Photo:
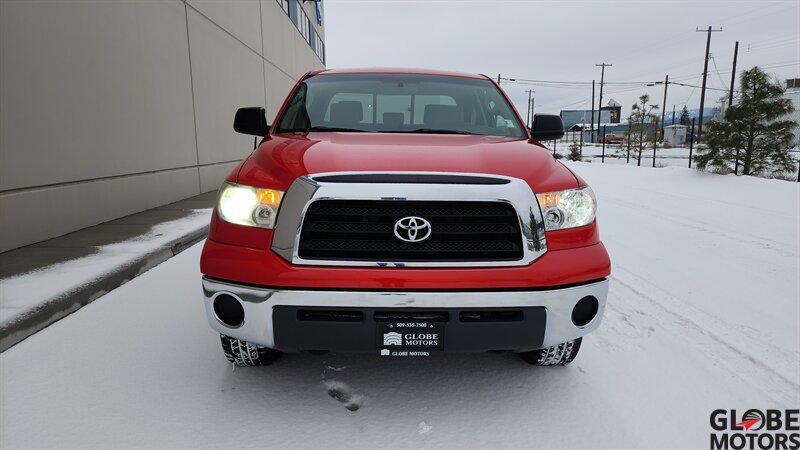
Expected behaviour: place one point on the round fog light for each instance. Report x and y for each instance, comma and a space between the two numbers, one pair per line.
585, 310
228, 310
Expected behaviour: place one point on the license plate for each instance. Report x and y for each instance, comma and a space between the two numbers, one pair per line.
409, 338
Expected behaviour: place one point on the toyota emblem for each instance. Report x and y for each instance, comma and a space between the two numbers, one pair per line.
412, 229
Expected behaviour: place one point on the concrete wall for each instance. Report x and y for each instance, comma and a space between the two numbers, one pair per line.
110, 108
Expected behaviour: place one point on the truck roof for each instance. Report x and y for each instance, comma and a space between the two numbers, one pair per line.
400, 71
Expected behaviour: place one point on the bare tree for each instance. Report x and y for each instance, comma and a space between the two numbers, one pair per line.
640, 123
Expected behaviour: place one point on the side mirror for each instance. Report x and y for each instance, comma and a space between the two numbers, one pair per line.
547, 127
251, 120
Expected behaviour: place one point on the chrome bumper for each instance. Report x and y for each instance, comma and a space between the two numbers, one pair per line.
259, 302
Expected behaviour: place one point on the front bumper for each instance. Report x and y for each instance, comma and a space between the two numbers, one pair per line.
270, 318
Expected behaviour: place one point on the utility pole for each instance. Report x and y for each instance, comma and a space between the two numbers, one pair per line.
705, 76
600, 102
603, 157
498, 79
691, 143
673, 115
655, 141
664, 106
730, 102
733, 73
528, 123
591, 127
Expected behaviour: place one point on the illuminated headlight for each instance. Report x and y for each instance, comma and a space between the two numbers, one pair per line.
567, 209
249, 206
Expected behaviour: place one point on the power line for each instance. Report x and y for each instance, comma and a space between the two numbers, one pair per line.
525, 80
691, 93
714, 61
775, 65
777, 43
775, 38
547, 83
629, 86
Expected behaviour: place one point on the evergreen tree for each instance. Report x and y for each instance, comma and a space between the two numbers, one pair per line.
752, 133
685, 119
574, 152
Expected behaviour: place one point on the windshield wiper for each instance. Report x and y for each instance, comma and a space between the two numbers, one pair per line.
432, 131
321, 128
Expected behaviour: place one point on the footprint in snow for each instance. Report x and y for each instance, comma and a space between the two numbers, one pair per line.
344, 394
424, 428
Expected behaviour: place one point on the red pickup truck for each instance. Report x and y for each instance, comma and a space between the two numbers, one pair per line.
402, 213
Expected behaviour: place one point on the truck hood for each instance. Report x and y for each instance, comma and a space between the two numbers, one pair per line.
279, 160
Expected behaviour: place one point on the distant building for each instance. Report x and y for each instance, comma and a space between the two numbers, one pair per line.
611, 113
611, 129
675, 134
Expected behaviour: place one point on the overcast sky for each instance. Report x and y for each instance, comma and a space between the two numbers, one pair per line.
563, 40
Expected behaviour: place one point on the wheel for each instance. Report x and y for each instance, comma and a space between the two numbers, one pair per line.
557, 355
245, 354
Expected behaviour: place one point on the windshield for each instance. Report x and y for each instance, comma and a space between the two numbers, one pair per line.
399, 103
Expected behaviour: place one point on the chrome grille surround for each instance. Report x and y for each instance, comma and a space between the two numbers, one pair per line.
306, 190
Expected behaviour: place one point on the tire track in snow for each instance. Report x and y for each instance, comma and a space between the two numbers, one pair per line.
705, 227
744, 366
726, 331
716, 200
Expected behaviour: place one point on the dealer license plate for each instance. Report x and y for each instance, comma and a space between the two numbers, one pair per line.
410, 338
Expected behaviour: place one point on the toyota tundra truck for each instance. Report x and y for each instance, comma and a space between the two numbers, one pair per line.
402, 213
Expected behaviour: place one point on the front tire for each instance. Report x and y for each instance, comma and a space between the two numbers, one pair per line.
245, 354
557, 355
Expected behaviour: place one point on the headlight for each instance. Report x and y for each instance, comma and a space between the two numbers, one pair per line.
567, 209
249, 206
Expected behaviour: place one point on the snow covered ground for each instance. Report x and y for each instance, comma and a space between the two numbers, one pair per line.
665, 157
702, 314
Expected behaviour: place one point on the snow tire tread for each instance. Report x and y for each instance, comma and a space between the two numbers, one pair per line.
245, 354
557, 355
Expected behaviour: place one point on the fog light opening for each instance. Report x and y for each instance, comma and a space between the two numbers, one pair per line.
228, 310
584, 311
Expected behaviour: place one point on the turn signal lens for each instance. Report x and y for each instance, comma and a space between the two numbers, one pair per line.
249, 206
567, 209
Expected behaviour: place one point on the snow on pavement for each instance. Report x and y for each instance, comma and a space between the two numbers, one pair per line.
702, 314
21, 294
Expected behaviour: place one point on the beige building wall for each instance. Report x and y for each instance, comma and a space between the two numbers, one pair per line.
111, 108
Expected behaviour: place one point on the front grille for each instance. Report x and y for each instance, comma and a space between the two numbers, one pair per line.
363, 230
